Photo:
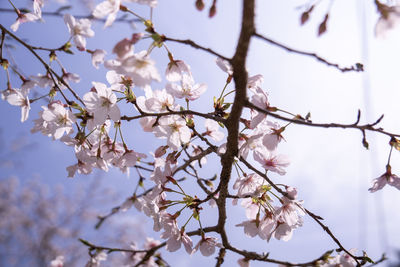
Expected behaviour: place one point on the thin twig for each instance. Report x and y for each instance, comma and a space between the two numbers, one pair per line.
356, 67
195, 45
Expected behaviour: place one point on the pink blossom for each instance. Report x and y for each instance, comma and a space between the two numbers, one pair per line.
255, 81
187, 89
43, 81
250, 228
290, 212
283, 232
98, 57
259, 99
248, 184
251, 208
138, 66
272, 139
267, 226
174, 129
156, 101
22, 18
247, 143
207, 246
176, 70
123, 48
271, 161
197, 150
212, 128
386, 178
243, 262
388, 20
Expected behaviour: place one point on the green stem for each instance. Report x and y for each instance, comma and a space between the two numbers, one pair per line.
390, 155
223, 90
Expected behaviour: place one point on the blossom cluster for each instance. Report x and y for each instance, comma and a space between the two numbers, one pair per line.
93, 127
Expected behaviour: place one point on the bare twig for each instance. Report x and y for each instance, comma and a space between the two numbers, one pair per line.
195, 45
365, 127
356, 67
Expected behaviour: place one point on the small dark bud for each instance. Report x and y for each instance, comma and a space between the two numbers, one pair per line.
322, 26
199, 5
212, 12
304, 17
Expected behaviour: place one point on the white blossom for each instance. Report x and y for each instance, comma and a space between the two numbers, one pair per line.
79, 29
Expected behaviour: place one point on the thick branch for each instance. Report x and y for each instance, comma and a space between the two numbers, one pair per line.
232, 124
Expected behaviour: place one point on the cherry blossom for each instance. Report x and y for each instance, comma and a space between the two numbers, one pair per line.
150, 3
197, 150
272, 162
79, 29
137, 66
18, 97
243, 262
22, 18
57, 262
207, 246
250, 228
43, 81
390, 17
259, 99
98, 57
249, 142
187, 89
59, 120
224, 65
174, 129
272, 139
96, 259
102, 103
107, 8
177, 70
156, 101
37, 7
386, 178
270, 212
248, 184
123, 48
212, 128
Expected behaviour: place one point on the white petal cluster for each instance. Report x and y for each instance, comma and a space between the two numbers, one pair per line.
79, 29
101, 102
18, 97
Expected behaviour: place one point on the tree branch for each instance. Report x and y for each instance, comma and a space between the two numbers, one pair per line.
356, 67
366, 127
195, 45
232, 123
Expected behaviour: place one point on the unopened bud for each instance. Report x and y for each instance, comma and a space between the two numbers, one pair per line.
123, 8
160, 151
199, 5
172, 180
136, 37
212, 11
